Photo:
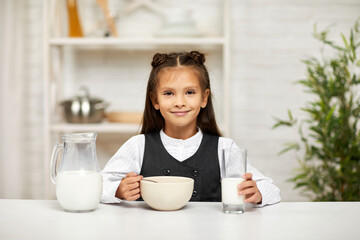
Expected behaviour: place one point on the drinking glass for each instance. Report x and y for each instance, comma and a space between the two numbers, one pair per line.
233, 168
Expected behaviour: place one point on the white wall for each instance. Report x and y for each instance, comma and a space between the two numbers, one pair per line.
11, 94
2, 165
269, 38
34, 99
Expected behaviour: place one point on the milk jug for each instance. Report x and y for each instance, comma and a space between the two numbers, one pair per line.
77, 177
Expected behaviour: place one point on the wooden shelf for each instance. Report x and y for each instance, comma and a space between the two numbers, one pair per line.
135, 41
104, 127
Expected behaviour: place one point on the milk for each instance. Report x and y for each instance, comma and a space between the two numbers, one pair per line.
79, 190
229, 191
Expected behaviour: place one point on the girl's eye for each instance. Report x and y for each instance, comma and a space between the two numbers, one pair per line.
190, 92
167, 93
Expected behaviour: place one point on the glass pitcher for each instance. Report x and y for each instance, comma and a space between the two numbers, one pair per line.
78, 179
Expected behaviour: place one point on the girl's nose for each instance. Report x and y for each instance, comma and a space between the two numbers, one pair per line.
179, 101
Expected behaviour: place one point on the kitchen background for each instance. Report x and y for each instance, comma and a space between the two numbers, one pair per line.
267, 41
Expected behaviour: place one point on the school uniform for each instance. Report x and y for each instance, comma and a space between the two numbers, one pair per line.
197, 157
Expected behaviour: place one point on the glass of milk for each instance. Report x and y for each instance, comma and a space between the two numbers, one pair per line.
78, 179
233, 168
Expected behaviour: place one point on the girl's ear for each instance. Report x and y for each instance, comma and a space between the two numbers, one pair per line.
154, 101
205, 98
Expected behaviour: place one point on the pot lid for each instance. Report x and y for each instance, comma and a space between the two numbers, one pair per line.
83, 95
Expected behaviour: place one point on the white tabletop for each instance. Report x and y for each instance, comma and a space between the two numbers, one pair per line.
42, 219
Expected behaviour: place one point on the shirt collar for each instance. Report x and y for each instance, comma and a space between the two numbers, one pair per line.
194, 140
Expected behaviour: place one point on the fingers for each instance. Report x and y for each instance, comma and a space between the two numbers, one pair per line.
132, 179
129, 188
252, 195
133, 194
255, 198
247, 176
246, 184
132, 186
249, 189
133, 198
131, 174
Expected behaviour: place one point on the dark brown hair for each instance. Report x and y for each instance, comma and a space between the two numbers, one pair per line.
152, 120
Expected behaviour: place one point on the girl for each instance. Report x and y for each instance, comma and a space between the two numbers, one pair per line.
179, 137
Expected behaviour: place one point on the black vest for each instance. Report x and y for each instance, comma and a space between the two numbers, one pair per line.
203, 166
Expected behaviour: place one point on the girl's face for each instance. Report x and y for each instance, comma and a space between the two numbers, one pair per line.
179, 98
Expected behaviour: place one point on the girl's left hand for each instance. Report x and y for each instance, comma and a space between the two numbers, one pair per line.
250, 190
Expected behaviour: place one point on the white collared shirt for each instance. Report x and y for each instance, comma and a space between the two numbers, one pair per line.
129, 158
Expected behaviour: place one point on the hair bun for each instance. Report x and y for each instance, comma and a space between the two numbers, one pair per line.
158, 59
197, 56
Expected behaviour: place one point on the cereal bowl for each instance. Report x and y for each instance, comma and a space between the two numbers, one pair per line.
166, 193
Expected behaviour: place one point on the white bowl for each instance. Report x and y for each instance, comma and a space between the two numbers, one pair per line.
168, 193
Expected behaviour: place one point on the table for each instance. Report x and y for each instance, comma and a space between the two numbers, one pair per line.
45, 219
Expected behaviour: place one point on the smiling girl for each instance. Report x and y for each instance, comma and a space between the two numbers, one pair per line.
179, 137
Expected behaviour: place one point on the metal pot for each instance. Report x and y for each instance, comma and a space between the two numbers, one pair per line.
84, 109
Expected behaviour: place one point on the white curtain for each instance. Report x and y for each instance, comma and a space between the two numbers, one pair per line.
11, 99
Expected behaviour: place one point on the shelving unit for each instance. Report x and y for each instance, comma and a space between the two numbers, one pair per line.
53, 76
136, 41
104, 127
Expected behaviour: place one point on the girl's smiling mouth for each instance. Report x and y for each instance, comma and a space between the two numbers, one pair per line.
180, 113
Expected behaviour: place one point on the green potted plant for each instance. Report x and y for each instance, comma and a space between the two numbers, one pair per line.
329, 135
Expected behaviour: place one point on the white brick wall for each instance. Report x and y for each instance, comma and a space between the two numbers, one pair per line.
33, 100
269, 38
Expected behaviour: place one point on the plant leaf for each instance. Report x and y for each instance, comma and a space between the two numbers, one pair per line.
289, 147
344, 40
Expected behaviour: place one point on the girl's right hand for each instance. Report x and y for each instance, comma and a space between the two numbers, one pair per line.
129, 188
